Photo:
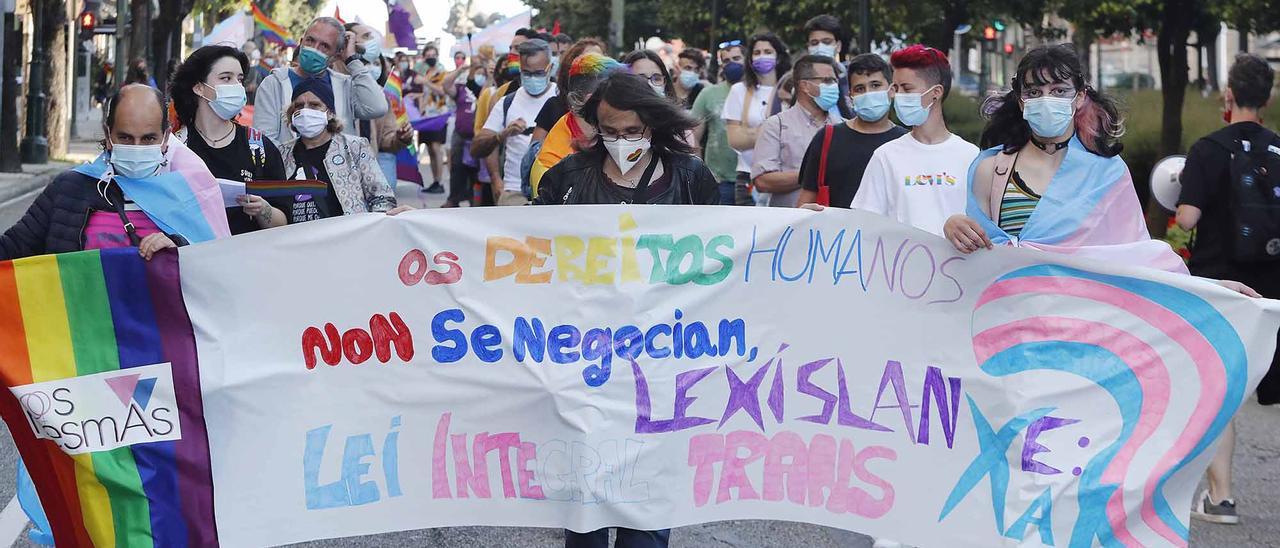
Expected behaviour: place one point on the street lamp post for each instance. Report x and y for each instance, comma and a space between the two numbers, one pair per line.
35, 147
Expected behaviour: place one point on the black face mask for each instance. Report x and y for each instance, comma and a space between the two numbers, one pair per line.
431, 61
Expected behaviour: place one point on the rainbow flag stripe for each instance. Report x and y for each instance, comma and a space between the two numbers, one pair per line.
271, 30
394, 86
287, 188
90, 312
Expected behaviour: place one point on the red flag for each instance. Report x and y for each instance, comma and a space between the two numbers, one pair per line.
555, 29
337, 14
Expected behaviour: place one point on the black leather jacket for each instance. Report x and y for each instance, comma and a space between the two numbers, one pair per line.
580, 179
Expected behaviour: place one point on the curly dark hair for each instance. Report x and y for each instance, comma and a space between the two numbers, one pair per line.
666, 120
1097, 122
194, 71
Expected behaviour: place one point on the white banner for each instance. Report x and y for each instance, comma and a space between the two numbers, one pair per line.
653, 367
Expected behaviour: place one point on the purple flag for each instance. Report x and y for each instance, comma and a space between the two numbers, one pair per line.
399, 25
419, 122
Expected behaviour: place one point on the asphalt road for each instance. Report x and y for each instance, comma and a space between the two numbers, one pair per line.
1257, 485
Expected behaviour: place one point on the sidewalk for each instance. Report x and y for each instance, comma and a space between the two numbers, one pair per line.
36, 176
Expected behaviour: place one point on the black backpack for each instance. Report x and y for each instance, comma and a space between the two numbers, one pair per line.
1253, 197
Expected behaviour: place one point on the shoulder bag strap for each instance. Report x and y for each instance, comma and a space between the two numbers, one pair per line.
746, 104
639, 197
822, 160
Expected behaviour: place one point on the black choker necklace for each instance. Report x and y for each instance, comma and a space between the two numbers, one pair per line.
1056, 146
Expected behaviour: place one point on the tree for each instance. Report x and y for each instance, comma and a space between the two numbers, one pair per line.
293, 15
57, 129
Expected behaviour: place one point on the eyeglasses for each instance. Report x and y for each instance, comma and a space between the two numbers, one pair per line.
655, 79
729, 44
608, 138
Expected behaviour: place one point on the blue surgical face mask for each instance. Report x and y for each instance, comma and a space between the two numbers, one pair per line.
1049, 117
312, 61
228, 100
688, 79
136, 161
827, 50
828, 96
372, 50
479, 79
872, 106
910, 111
535, 85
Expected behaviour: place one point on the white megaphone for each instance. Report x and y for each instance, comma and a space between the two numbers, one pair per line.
1165, 183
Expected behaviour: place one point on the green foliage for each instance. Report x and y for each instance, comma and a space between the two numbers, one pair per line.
216, 10
293, 15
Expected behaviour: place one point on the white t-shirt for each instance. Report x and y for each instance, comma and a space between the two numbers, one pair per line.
758, 111
917, 184
523, 106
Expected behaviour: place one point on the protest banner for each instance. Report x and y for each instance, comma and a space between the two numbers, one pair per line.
594, 366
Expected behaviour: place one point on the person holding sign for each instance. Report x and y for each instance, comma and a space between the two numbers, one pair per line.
1053, 127
345, 164
208, 94
640, 157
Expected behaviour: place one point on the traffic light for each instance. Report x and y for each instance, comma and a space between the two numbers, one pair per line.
998, 24
989, 34
88, 22
1008, 50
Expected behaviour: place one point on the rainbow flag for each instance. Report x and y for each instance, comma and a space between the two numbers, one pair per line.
271, 30
407, 157
394, 86
286, 188
74, 318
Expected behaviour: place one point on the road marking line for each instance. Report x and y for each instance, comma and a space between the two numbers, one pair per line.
21, 197
13, 521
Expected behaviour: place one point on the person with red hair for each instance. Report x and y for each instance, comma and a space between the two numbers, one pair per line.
921, 178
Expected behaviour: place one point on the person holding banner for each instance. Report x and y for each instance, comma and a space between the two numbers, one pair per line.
640, 155
145, 190
208, 94
344, 164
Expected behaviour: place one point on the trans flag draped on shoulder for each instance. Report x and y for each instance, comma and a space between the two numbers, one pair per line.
183, 198
1089, 210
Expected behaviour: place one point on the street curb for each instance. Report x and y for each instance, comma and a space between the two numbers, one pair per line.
30, 181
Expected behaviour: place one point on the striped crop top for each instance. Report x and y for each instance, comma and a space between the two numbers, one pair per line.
1016, 205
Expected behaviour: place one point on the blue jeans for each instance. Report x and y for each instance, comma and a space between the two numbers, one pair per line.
627, 538
387, 161
726, 192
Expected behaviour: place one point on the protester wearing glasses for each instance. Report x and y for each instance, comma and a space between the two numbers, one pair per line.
639, 157
784, 136
721, 158
747, 105
646, 64
510, 122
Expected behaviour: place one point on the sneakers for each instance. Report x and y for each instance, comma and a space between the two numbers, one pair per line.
435, 188
1223, 512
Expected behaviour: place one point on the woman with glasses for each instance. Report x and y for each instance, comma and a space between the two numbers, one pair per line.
639, 156
646, 64
747, 105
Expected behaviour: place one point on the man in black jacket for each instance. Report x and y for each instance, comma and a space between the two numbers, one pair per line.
76, 212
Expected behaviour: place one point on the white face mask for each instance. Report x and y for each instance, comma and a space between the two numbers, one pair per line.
310, 122
136, 161
626, 154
